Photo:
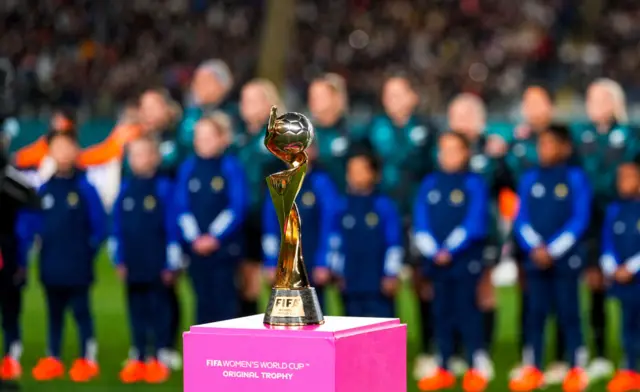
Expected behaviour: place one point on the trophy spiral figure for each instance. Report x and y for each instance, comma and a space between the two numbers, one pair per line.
288, 136
293, 301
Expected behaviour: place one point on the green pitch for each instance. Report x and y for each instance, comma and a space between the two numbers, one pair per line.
113, 336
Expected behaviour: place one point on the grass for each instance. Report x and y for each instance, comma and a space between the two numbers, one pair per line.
113, 336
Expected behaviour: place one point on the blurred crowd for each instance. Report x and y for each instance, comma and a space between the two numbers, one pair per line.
94, 54
90, 54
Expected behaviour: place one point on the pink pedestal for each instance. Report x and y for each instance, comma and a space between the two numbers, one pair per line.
345, 354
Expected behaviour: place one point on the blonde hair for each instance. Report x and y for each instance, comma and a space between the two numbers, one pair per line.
270, 92
152, 140
220, 121
619, 99
339, 85
174, 106
475, 102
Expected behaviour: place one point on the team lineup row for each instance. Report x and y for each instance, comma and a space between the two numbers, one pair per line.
211, 205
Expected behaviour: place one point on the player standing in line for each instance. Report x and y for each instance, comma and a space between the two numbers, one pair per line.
450, 217
327, 98
601, 145
537, 113
210, 86
143, 220
403, 140
71, 227
366, 242
467, 116
211, 194
620, 262
555, 201
16, 196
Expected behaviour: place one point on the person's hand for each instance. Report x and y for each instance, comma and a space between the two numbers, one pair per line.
623, 275
443, 258
496, 147
270, 275
206, 245
321, 276
523, 131
541, 257
121, 270
594, 278
20, 277
168, 277
425, 290
389, 286
486, 292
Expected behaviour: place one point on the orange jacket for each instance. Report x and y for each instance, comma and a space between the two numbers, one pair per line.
31, 155
112, 147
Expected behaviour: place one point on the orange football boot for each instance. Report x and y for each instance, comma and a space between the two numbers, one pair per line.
133, 371
48, 369
528, 380
441, 379
624, 381
10, 369
156, 372
474, 381
83, 370
575, 381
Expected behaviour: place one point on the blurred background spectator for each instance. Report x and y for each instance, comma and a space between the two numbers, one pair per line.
97, 54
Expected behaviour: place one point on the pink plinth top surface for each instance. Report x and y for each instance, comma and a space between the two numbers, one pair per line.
332, 326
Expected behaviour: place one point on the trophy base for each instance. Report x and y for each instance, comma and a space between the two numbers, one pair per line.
293, 307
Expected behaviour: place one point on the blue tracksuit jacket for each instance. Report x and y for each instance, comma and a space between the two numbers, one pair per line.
316, 204
71, 225
554, 212
366, 242
451, 213
144, 234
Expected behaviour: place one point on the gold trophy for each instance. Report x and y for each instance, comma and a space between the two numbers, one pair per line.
293, 301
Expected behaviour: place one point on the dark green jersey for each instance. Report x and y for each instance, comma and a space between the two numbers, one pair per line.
192, 115
333, 145
258, 163
599, 154
405, 153
523, 154
496, 176
171, 155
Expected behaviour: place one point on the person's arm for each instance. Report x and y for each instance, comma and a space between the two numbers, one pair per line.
503, 177
31, 155
166, 192
270, 235
524, 233
28, 226
327, 198
334, 257
609, 260
111, 148
575, 228
97, 214
187, 223
230, 219
474, 226
425, 241
394, 253
115, 239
